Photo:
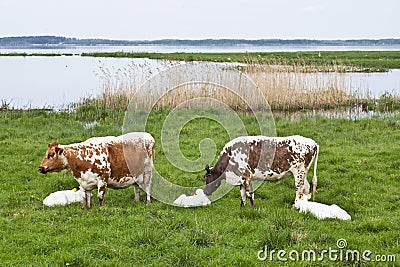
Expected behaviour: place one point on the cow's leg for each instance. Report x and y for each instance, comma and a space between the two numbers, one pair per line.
100, 195
88, 195
243, 195
137, 192
306, 187
250, 191
247, 188
147, 185
299, 175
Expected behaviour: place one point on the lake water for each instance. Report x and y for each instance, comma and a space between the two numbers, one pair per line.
37, 82
196, 49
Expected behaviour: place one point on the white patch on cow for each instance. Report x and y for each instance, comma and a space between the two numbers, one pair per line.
123, 182
269, 175
239, 161
100, 140
139, 179
64, 159
299, 144
239, 158
233, 179
88, 180
148, 161
94, 155
100, 182
79, 156
259, 175
244, 139
136, 135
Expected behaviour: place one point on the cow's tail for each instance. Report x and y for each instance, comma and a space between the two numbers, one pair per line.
314, 180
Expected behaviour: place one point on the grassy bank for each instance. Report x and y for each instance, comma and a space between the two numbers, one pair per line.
365, 61
356, 61
358, 169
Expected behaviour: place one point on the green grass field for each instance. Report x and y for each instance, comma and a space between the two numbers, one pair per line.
358, 169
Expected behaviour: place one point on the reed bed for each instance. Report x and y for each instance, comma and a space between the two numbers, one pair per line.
285, 87
291, 87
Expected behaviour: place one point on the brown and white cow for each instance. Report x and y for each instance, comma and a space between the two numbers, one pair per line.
101, 162
249, 158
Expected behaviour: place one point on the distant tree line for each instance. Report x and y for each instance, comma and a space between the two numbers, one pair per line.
64, 41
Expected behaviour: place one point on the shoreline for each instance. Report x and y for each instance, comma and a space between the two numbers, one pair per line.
360, 61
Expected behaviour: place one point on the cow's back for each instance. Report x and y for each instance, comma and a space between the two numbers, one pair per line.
131, 155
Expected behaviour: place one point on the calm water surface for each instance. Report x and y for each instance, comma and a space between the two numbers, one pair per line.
196, 49
37, 82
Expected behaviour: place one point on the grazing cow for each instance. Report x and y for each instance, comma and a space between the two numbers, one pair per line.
250, 158
101, 162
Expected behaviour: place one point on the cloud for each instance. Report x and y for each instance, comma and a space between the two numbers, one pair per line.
313, 7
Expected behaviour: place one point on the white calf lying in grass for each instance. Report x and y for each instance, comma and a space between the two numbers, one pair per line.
199, 199
65, 197
321, 211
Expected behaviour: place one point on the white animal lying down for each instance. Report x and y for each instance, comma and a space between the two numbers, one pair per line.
321, 211
65, 197
199, 199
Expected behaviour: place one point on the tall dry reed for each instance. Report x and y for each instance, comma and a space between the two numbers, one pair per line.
295, 87
285, 87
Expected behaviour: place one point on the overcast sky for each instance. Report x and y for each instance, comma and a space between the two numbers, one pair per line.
200, 19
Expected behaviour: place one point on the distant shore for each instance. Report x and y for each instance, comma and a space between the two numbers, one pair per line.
60, 41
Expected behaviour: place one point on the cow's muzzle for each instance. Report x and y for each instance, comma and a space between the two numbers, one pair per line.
42, 169
207, 191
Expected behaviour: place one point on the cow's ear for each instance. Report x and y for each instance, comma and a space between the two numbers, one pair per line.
208, 169
59, 150
53, 144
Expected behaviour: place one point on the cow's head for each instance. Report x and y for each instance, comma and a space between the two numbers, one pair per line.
213, 180
54, 160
